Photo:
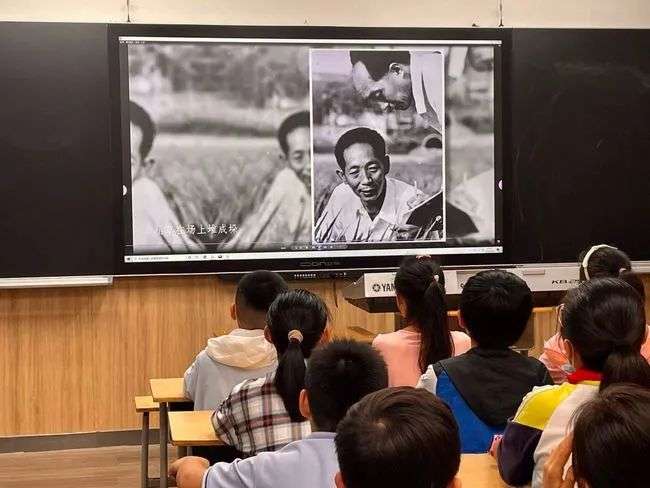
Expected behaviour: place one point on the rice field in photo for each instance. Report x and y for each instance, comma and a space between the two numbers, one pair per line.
214, 179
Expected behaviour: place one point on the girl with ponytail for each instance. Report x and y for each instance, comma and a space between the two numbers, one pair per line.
426, 339
603, 328
263, 414
600, 261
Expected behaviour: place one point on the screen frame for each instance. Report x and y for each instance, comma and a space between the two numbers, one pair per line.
302, 263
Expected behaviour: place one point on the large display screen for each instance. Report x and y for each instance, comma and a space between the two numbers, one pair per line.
252, 149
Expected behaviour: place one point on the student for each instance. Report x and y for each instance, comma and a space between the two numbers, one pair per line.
596, 262
398, 437
264, 414
155, 225
485, 385
242, 354
338, 375
420, 292
603, 327
610, 456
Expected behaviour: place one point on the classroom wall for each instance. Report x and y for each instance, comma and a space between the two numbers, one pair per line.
431, 13
71, 360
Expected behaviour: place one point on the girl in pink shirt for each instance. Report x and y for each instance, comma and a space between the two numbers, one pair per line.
420, 290
601, 261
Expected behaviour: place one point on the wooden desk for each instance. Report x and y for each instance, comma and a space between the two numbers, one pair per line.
193, 429
168, 390
479, 471
145, 404
165, 391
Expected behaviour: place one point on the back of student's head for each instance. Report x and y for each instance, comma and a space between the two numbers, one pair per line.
420, 282
634, 280
495, 306
398, 437
602, 261
296, 321
255, 293
611, 439
604, 319
340, 374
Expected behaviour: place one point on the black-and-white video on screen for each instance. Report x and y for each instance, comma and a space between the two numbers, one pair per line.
252, 147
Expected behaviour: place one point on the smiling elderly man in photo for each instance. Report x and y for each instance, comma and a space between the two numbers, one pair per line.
368, 205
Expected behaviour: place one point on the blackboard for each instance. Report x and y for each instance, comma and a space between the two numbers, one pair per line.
580, 143
576, 146
56, 191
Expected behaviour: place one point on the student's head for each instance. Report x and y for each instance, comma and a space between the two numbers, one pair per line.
296, 323
363, 163
383, 76
611, 439
255, 293
294, 136
143, 132
635, 281
603, 327
495, 306
420, 290
340, 374
398, 437
601, 261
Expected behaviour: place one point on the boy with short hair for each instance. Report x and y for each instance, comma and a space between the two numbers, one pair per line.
485, 386
242, 354
338, 375
398, 437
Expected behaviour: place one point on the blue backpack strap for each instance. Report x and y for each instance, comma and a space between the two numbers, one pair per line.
475, 435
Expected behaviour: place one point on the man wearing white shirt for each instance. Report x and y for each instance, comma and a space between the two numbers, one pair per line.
368, 206
396, 80
156, 228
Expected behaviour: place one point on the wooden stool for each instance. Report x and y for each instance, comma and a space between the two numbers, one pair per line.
145, 405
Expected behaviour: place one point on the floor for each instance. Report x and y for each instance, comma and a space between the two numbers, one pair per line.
114, 467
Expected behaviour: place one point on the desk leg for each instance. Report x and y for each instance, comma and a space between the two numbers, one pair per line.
144, 455
164, 435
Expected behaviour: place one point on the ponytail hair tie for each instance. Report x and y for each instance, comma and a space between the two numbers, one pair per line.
622, 270
296, 335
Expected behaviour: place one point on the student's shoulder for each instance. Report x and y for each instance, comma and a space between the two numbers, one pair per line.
459, 359
536, 365
250, 385
462, 342
537, 406
386, 340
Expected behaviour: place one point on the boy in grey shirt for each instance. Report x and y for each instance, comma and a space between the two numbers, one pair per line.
338, 375
242, 354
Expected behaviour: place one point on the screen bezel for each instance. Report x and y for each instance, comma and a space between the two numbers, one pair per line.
301, 263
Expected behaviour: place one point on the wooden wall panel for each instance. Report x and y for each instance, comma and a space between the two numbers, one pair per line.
71, 360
